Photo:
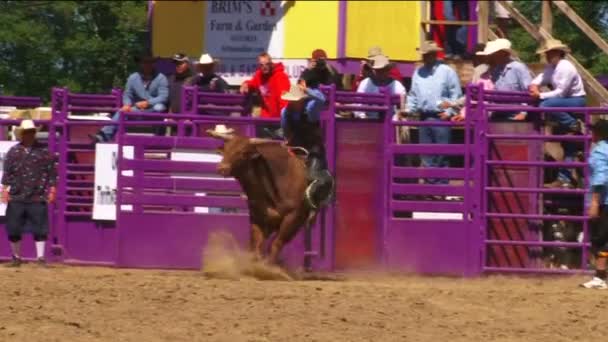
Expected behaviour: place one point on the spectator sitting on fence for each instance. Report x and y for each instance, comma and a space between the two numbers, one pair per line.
269, 82
367, 70
206, 79
507, 74
146, 91
598, 205
181, 77
329, 75
568, 91
480, 76
28, 184
433, 83
380, 78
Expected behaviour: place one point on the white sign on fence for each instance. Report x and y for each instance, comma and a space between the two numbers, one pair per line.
4, 147
203, 156
106, 158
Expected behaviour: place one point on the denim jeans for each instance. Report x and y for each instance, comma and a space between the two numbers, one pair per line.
564, 121
110, 130
434, 135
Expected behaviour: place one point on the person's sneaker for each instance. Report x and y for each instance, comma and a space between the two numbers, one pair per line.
595, 283
15, 262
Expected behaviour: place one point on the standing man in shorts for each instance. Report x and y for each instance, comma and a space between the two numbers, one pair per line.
28, 184
598, 208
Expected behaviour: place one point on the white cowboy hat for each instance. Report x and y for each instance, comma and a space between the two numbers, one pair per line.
428, 46
380, 62
496, 45
553, 44
26, 125
222, 129
294, 94
206, 59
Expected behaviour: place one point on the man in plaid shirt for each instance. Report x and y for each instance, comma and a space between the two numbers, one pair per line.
28, 184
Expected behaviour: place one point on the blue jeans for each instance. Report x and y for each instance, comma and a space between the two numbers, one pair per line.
434, 135
564, 121
110, 131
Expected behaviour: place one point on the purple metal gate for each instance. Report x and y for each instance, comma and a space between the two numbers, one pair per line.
431, 228
163, 229
521, 217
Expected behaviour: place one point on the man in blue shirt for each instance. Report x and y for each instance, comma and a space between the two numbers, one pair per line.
507, 74
598, 204
300, 121
432, 84
146, 91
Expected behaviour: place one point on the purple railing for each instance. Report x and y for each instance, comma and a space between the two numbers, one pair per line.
20, 101
493, 220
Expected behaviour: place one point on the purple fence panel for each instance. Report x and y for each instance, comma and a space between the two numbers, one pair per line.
528, 227
429, 211
175, 204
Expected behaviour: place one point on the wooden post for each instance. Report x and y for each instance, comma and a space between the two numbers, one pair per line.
483, 18
580, 22
547, 17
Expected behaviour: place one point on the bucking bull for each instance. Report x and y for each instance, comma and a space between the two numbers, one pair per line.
275, 181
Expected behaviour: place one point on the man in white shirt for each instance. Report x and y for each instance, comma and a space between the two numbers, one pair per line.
381, 67
567, 90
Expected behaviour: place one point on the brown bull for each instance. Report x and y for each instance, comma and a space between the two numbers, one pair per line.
275, 182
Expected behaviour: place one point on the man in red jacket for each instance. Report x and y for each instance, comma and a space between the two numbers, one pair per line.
270, 81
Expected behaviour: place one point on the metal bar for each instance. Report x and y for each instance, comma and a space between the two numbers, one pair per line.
223, 185
537, 217
439, 149
534, 164
534, 270
180, 200
427, 206
428, 172
537, 243
537, 190
427, 189
538, 137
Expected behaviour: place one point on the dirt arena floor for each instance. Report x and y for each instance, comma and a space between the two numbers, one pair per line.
73, 304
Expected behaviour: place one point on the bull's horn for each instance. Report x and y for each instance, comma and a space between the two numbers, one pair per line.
223, 136
259, 141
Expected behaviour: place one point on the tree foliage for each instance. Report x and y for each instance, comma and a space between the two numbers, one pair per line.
595, 13
87, 46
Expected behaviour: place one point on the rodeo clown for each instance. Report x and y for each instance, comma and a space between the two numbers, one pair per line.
598, 207
300, 126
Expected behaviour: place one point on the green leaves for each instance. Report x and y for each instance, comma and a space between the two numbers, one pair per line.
595, 13
85, 45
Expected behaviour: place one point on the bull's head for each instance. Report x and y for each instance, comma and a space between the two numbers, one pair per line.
236, 152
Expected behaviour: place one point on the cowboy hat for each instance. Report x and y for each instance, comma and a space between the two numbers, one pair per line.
206, 59
553, 44
26, 125
222, 129
428, 46
496, 45
180, 58
380, 62
295, 93
374, 51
